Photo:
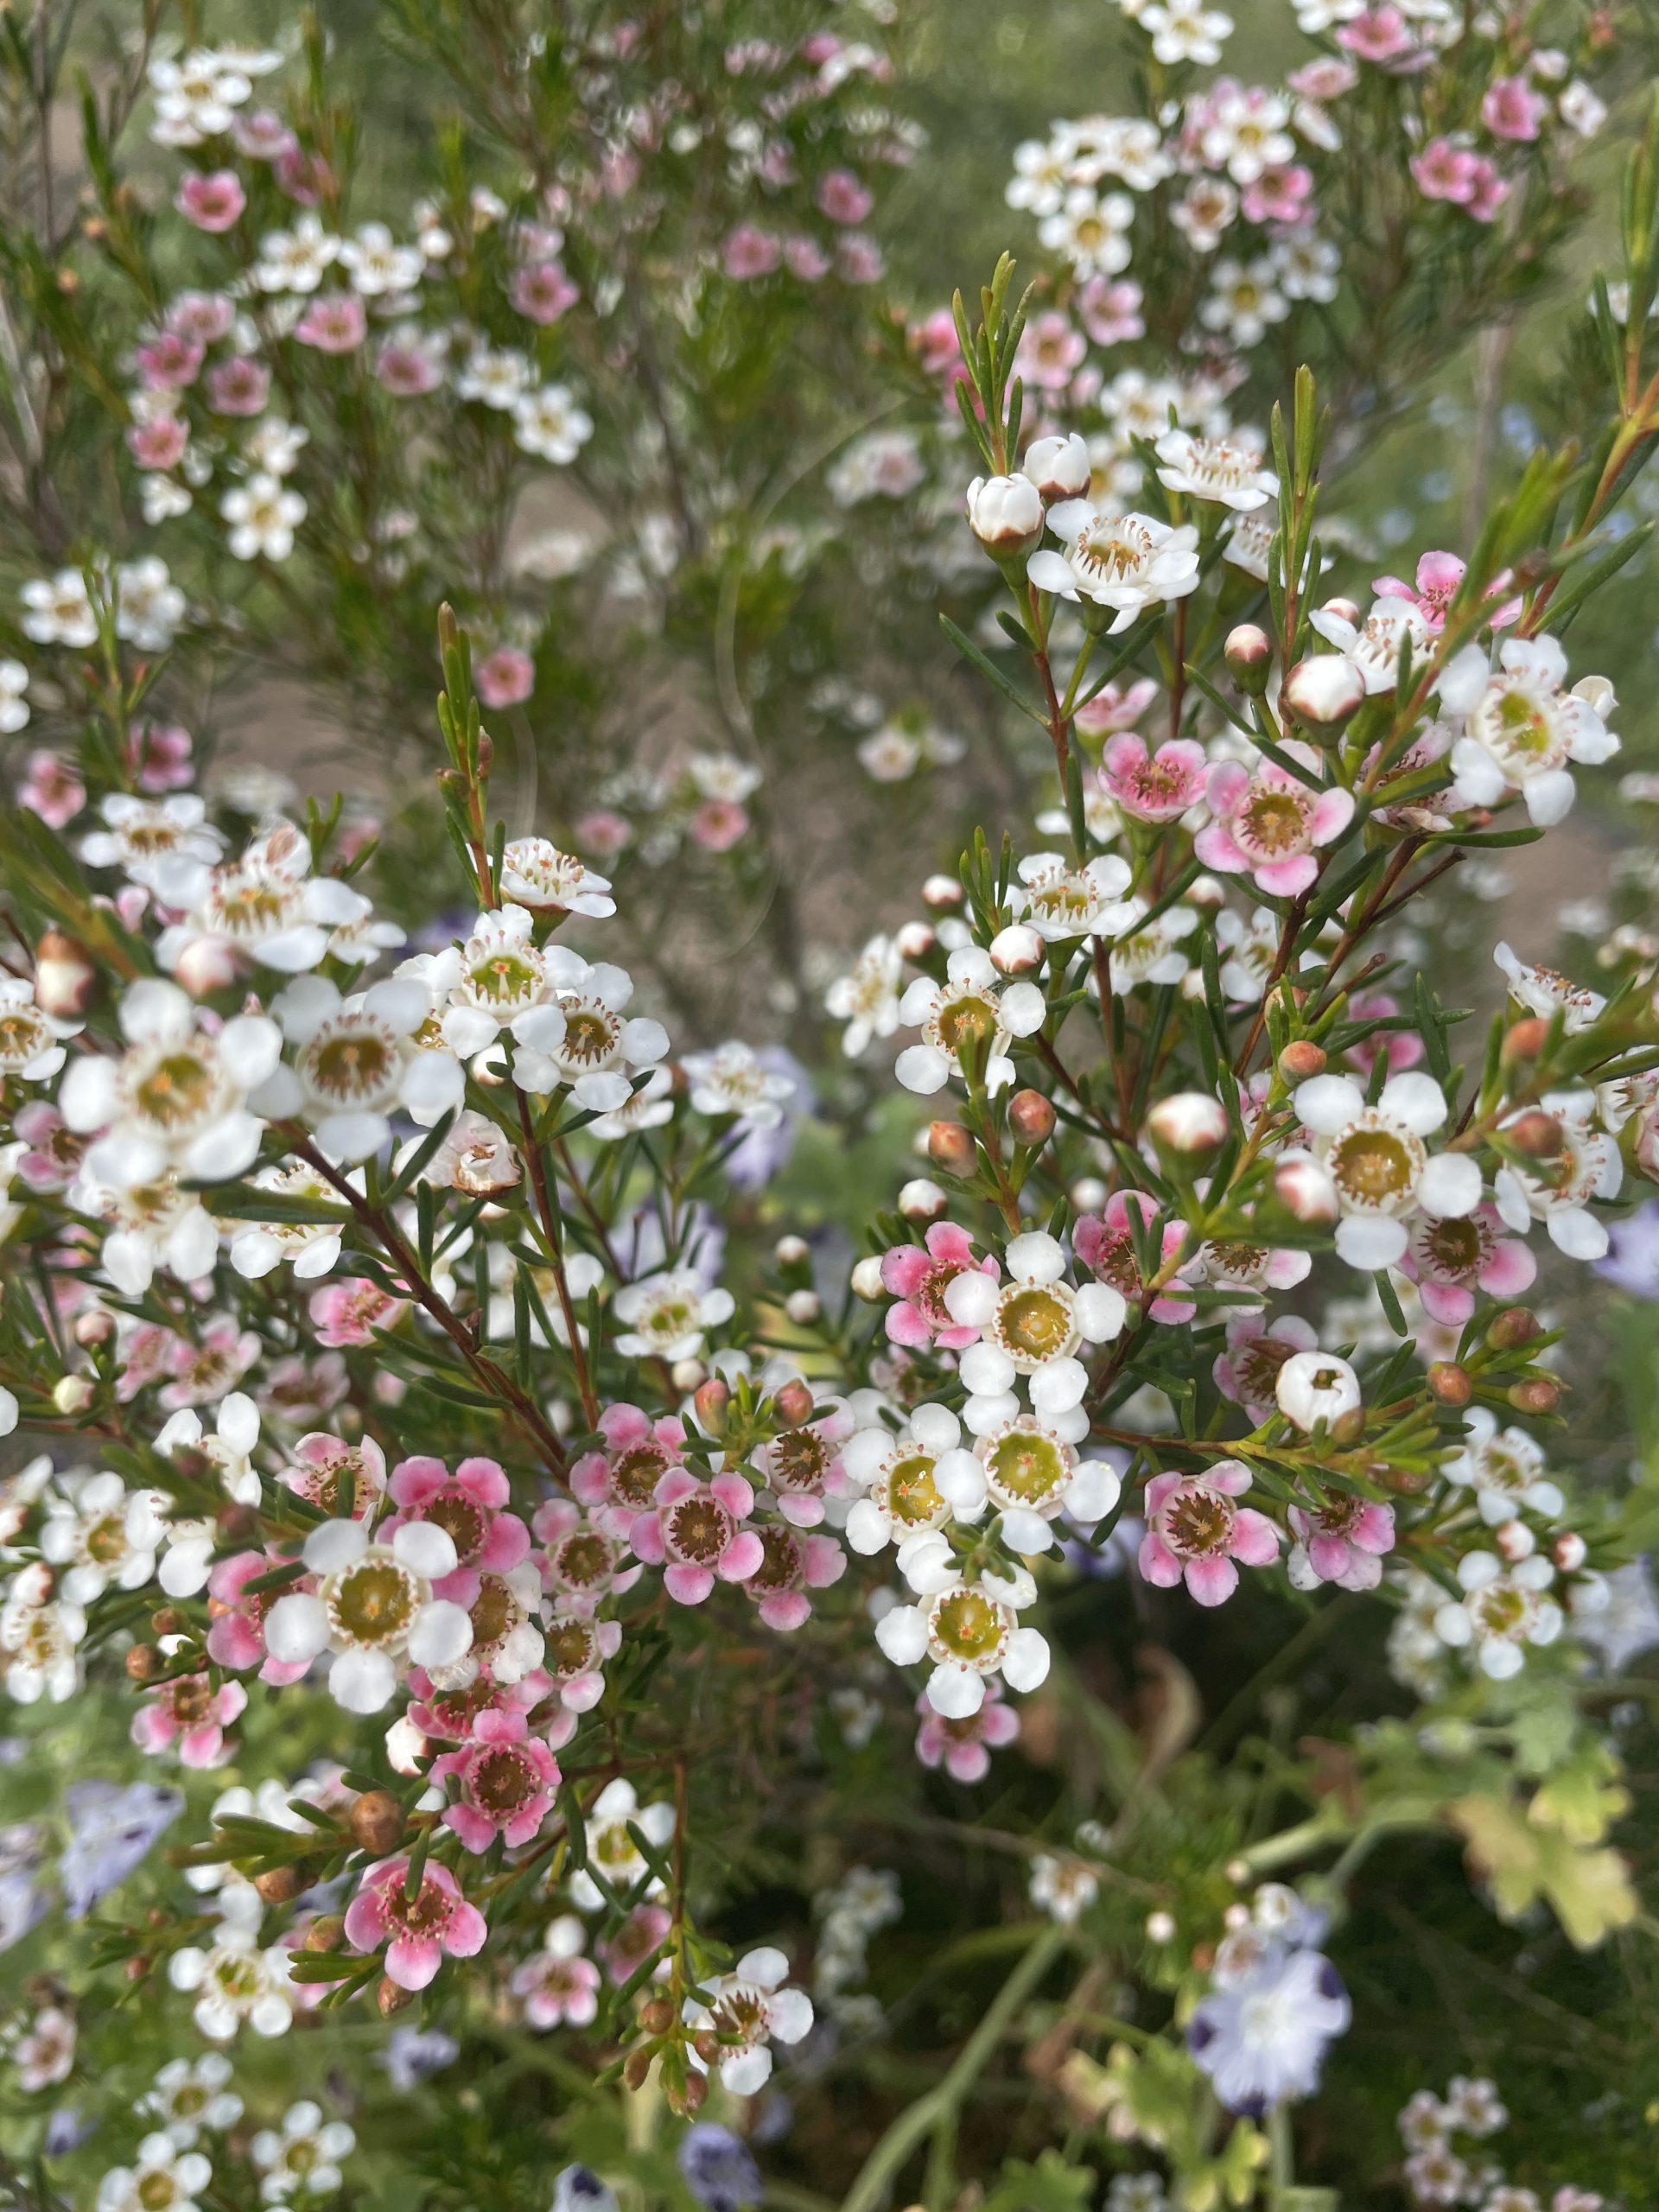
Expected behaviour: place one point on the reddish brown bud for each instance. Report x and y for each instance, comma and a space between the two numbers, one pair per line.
687, 2096
1031, 1117
656, 2016
137, 1968
281, 1884
377, 1822
326, 1933
1516, 1324
1539, 1393
1405, 1482
637, 2067
1301, 1060
1524, 1039
390, 1998
168, 1621
141, 1663
951, 1147
1536, 1134
793, 1401
1449, 1384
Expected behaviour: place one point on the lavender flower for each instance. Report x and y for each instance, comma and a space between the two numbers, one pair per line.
717, 2168
111, 1831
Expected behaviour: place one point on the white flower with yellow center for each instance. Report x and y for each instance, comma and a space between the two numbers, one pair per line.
1215, 469
269, 907
536, 875
612, 1851
162, 2178
898, 1476
229, 1451
310, 1246
1382, 1171
373, 1607
1545, 992
968, 1631
1062, 901
1033, 1325
498, 975
734, 1079
747, 2011
300, 2158
867, 997
166, 844
39, 1649
1505, 1469
359, 1060
1151, 953
100, 1534
155, 1225
580, 1039
233, 1981
973, 1011
1373, 647
549, 423
1030, 1473
29, 1038
666, 1315
1521, 726
1122, 562
189, 2096
1559, 1192
1502, 1610
58, 610
1090, 230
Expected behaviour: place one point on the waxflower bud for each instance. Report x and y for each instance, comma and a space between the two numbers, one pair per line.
1005, 514
1031, 1117
920, 1200
1516, 1324
167, 1620
206, 964
637, 2067
1188, 1127
1314, 1387
794, 1403
1301, 1060
1160, 1927
951, 1147
687, 1374
790, 1251
1344, 609
1514, 1540
95, 1327
1524, 1039
942, 892
1249, 655
1325, 691
1016, 951
1536, 1134
326, 1933
709, 1402
657, 2016
390, 1998
72, 1394
866, 1278
1450, 1384
802, 1306
141, 1662
1305, 1190
1539, 1393
1569, 1551
1060, 467
915, 941
65, 982
687, 2096
377, 1822
281, 1884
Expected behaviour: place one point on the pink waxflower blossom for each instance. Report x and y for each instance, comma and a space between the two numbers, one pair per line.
334, 323
1248, 1371
1449, 1260
1116, 707
260, 135
304, 177
158, 757
55, 1151
236, 1638
159, 443
1153, 787
1195, 1532
749, 252
301, 1388
505, 678
844, 198
802, 1467
168, 361
805, 258
238, 386
349, 1311
203, 316
1445, 171
190, 1712
604, 833
581, 1562
718, 824
1491, 191
1281, 193
1110, 310
794, 1563
1380, 35
507, 1779
918, 1277
203, 1371
963, 1747
1344, 1541
417, 1932
1268, 824
1323, 81
558, 1986
144, 1357
1104, 1245
451, 1715
1051, 352
858, 258
470, 1507
619, 1482
1439, 577
695, 1535
1512, 109
212, 200
935, 347
645, 1930
541, 291
324, 1468
52, 787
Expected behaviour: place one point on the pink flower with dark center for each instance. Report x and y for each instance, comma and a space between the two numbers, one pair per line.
1344, 1540
144, 1359
417, 1931
749, 252
507, 1779
469, 1507
1281, 194
406, 371
802, 1467
1380, 35
505, 678
344, 1481
1248, 1371
1490, 194
451, 1716
158, 757
206, 1371
559, 1986
259, 135
1443, 171
541, 291
792, 1563
55, 1151
1439, 577
1449, 1260
1153, 787
919, 1276
238, 386
52, 787
695, 1534
1323, 81
203, 316
300, 1389
190, 1712
934, 346
603, 833
334, 323
1267, 824
1402, 1048
236, 1638
159, 443
1512, 109
581, 1561
1103, 1245
1195, 1532
576, 1648
168, 361
1116, 707
963, 1747
1051, 352
303, 177
718, 824
212, 200
1110, 310
645, 1930
858, 258
844, 198
348, 1311
805, 258
620, 1483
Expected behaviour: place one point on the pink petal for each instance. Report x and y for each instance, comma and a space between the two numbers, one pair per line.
744, 1556
1255, 1540
1229, 781
412, 1960
1215, 849
688, 1586
1287, 879
1510, 1270
1211, 1581
466, 1932
1332, 812
1158, 1564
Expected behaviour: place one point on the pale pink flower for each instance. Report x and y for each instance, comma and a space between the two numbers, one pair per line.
803, 1466
934, 344
1380, 35
159, 443
1103, 1244
919, 1276
236, 1638
858, 258
52, 787
749, 252
158, 757
645, 1930
604, 833
1440, 576
205, 1371
212, 200
205, 316
842, 198
582, 1562
168, 361
1248, 1371
1116, 707
334, 323
1323, 81
406, 370
805, 258
505, 678
238, 386
1110, 310
1445, 171
259, 135
1153, 787
470, 1507
349, 1311
1512, 109
1344, 1541
693, 1533
1449, 1260
1402, 1048
792, 1563
618, 1482
1050, 353
507, 1779
1490, 191
1195, 1532
541, 291
53, 1160
718, 824
303, 177
963, 1747
190, 1712
558, 1986
1280, 195
417, 1932
321, 1466
1267, 824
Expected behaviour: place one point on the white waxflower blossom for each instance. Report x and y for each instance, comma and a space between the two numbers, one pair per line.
148, 605
273, 446
549, 423
968, 1631
1247, 131
667, 1315
166, 845
311, 1248
232, 1981
867, 997
30, 1040
1063, 900
40, 1649
1090, 230
750, 2009
581, 1040
264, 516
1545, 993
1505, 1469
58, 610
495, 379
1005, 513
377, 265
1031, 1325
897, 1475
535, 875
733, 1079
154, 1225
1382, 1169
373, 1606
162, 2178
229, 1450
1041, 173
302, 2157
189, 2095
1123, 562
100, 1534
1028, 1471
1559, 1194
1521, 726
269, 907
295, 260
1063, 1888
1373, 647
357, 1061
1152, 954
1215, 469
1245, 299
13, 696
1503, 1610
612, 1851
973, 1007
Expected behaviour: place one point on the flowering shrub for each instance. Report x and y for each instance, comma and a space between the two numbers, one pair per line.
1065, 1645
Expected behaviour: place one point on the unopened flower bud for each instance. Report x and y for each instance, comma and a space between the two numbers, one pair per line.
1569, 1551
866, 1279
636, 2068
1005, 514
1249, 655
950, 1147
390, 1998
1060, 467
72, 1394
803, 1307
377, 1822
920, 1200
66, 981
790, 1251
686, 1374
326, 1933
1160, 1927
1524, 1039
915, 940
1088, 1194
1306, 1191
1344, 609
1536, 1134
1514, 1540
1405, 1482
1031, 1117
656, 2016
1315, 1387
206, 964
141, 1662
1450, 1384
281, 1884
710, 1401
1516, 1324
1016, 951
167, 1620
1189, 1127
1207, 892
793, 1401
687, 2096
95, 1326
944, 894
1539, 1393
1301, 1060
136, 1968
1236, 1915
1323, 692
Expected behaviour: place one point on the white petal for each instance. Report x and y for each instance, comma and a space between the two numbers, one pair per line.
1367, 1242
902, 1634
230, 1145
1416, 1100
1023, 1008
296, 1628
956, 1692
1025, 1664
86, 1096
936, 1429
1328, 1102
425, 1548
443, 1633
1034, 1257
1577, 1233
1101, 1312
970, 1299
987, 1371
1450, 1185
362, 1681
1059, 1386
238, 1423
960, 1479
923, 1069
334, 1544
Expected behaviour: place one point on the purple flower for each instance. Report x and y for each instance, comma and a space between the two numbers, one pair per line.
717, 2168
23, 1898
1261, 2034
413, 2053
111, 1830
1632, 1260
578, 2189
